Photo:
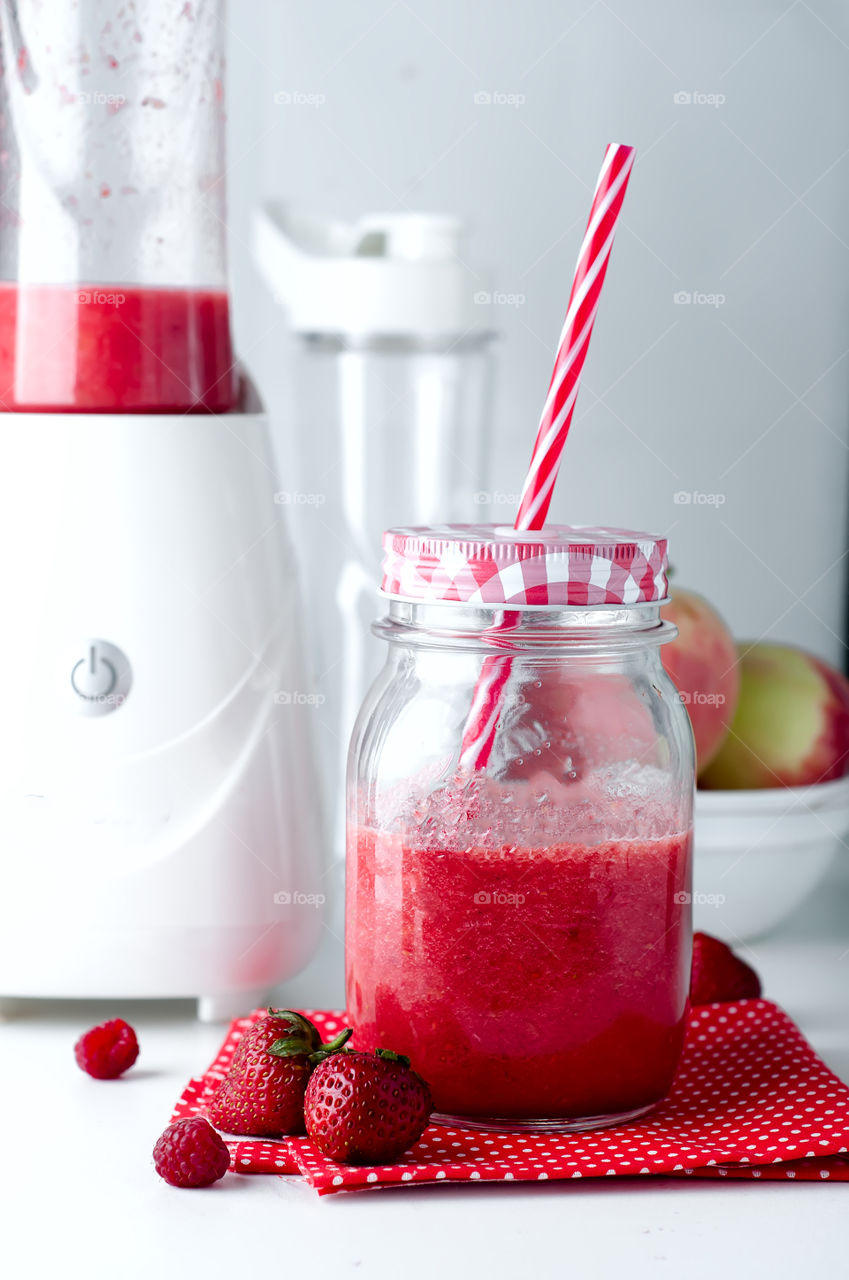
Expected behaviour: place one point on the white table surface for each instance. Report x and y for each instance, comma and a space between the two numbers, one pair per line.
79, 1194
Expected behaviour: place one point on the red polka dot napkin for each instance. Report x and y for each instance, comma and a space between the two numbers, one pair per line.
751, 1100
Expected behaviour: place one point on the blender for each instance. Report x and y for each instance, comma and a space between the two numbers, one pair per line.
158, 794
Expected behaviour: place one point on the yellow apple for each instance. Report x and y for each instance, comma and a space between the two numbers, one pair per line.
791, 726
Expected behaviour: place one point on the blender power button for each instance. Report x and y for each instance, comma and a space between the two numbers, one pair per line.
100, 677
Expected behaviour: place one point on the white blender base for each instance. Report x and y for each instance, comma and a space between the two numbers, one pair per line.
159, 808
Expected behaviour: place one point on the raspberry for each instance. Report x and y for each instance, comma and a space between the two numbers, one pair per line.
108, 1050
191, 1154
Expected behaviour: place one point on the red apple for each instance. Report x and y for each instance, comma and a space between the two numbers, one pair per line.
590, 720
791, 726
605, 716
702, 664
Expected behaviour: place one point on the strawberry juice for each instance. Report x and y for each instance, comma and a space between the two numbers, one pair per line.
115, 349
544, 978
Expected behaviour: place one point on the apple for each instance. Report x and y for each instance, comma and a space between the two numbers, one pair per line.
605, 718
588, 720
791, 726
702, 664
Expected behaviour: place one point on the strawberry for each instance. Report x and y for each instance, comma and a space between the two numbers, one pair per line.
366, 1108
718, 974
263, 1091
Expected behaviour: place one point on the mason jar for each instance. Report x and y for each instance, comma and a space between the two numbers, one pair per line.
520, 797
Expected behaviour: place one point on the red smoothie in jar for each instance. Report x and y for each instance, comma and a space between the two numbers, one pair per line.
519, 839
543, 979
115, 349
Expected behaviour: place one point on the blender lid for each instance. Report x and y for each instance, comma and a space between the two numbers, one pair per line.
385, 274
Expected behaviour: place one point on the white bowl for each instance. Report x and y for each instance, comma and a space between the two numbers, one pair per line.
759, 854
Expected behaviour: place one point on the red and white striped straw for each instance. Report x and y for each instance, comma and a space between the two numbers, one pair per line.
575, 337
482, 723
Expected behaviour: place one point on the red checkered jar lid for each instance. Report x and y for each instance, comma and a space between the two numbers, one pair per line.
559, 566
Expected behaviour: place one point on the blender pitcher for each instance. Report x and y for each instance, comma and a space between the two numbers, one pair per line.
113, 283
391, 379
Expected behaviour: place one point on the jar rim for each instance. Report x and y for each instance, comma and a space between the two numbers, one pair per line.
501, 607
531, 629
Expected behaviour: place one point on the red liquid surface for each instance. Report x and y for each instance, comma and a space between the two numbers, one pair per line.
523, 982
107, 349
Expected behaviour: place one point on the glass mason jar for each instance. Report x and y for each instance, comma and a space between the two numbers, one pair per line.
519, 828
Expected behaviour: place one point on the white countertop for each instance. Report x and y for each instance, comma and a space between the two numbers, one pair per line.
80, 1195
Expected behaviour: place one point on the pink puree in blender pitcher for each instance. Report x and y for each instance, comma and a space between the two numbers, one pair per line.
115, 348
564, 994
112, 209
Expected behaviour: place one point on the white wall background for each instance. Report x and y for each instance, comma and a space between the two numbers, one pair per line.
746, 199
